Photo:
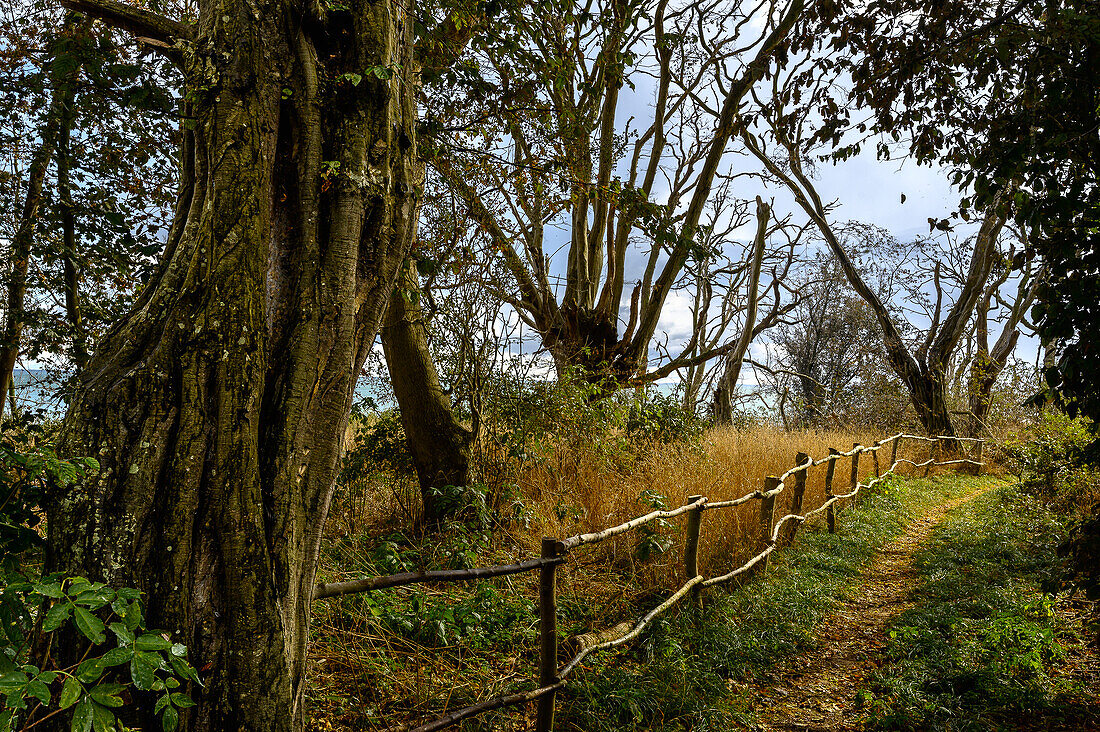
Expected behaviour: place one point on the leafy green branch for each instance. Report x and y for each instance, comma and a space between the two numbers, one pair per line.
131, 657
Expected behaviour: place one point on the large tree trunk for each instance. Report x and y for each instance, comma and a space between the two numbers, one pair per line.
218, 406
928, 394
439, 443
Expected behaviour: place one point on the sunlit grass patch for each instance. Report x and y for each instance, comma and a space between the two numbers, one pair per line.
979, 649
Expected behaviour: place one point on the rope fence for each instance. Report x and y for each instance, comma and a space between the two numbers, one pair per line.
775, 534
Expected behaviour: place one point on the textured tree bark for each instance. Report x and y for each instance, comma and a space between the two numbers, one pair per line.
218, 406
439, 443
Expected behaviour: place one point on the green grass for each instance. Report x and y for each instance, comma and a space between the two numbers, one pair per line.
978, 650
678, 676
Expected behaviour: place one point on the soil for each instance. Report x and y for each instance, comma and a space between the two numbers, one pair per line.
817, 691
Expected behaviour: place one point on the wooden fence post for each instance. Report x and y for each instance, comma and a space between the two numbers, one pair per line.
935, 442
767, 515
894, 453
978, 457
548, 634
797, 494
691, 545
830, 513
874, 459
855, 471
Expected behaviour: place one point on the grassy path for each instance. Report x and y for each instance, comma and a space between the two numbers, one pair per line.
947, 630
714, 671
818, 690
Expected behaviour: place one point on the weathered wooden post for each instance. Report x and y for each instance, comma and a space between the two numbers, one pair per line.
894, 453
874, 458
797, 494
978, 457
934, 443
767, 515
855, 469
830, 513
548, 633
691, 545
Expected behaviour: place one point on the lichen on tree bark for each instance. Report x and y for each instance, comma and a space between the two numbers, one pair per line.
218, 405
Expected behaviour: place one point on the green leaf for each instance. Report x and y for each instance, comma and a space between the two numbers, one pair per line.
90, 625
103, 719
56, 617
82, 717
117, 656
132, 617
184, 670
78, 585
11, 682
16, 700
70, 692
182, 701
161, 704
170, 720
94, 598
91, 670
38, 689
49, 589
143, 669
152, 642
107, 694
125, 635
178, 649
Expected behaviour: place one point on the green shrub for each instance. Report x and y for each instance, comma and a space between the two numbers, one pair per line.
1056, 460
132, 657
123, 654
1051, 458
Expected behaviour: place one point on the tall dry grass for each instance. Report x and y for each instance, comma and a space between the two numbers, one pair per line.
577, 489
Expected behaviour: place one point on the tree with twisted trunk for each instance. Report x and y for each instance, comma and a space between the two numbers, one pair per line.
218, 406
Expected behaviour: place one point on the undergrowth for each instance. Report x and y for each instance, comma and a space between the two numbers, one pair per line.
981, 647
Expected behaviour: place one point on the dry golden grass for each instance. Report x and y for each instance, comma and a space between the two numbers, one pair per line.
579, 489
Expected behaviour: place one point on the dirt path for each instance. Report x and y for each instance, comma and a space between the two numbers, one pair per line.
817, 691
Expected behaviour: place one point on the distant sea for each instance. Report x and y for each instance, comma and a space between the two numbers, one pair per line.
40, 390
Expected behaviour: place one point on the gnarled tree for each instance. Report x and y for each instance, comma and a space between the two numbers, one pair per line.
218, 405
923, 369
542, 146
